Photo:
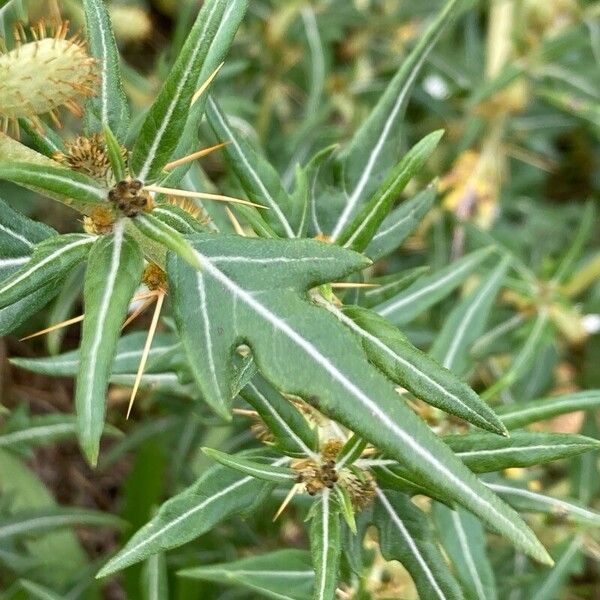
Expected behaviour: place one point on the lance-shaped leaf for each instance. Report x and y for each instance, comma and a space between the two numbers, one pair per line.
109, 107
218, 494
365, 158
114, 270
166, 120
43, 430
282, 575
280, 475
291, 430
232, 298
429, 290
359, 233
39, 592
483, 453
325, 546
400, 223
155, 583
414, 370
52, 259
162, 233
258, 178
389, 285
525, 500
524, 413
463, 539
35, 523
69, 187
223, 38
164, 355
467, 322
406, 535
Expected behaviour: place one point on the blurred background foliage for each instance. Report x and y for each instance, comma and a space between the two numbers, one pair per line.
516, 86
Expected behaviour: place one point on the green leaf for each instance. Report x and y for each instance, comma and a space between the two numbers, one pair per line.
406, 535
178, 219
155, 585
162, 233
390, 285
292, 432
115, 154
16, 314
400, 223
524, 413
351, 451
525, 500
325, 547
32, 523
414, 370
52, 259
370, 145
114, 270
463, 538
258, 178
483, 453
166, 120
218, 494
47, 141
109, 108
429, 290
38, 591
282, 575
467, 322
230, 299
223, 38
43, 430
281, 475
69, 187
360, 231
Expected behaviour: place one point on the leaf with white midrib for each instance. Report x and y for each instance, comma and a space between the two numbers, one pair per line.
430, 289
110, 106
255, 469
219, 493
383, 120
166, 120
406, 535
290, 338
114, 271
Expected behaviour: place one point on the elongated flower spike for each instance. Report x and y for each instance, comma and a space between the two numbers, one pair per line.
44, 72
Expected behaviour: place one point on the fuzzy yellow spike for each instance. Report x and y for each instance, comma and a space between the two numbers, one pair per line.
236, 224
54, 327
151, 332
202, 195
293, 491
195, 155
203, 87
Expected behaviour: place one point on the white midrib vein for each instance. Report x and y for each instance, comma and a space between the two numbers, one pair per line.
277, 574
26, 525
14, 261
104, 61
407, 299
230, 488
555, 502
35, 432
16, 235
38, 265
551, 406
98, 192
375, 340
460, 332
520, 449
143, 174
284, 477
257, 180
464, 545
410, 542
280, 325
325, 544
282, 423
88, 374
374, 156
555, 575
383, 232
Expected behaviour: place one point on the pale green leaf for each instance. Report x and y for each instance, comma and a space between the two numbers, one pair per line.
281, 575
109, 107
429, 290
114, 270
389, 285
155, 584
325, 546
406, 535
359, 233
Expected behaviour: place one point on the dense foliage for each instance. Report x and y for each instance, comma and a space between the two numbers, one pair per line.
337, 273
